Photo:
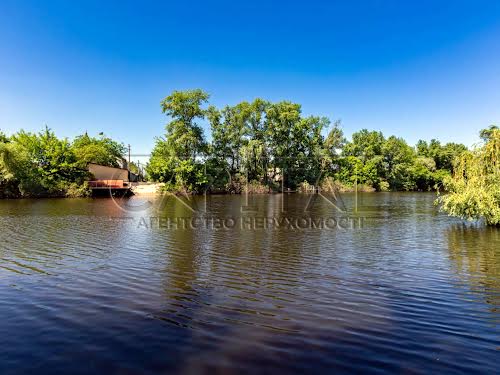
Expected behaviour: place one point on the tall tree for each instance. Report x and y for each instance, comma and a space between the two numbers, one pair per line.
282, 120
255, 152
486, 134
335, 140
184, 136
176, 157
229, 132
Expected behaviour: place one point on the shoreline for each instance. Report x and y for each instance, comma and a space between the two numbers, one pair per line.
159, 193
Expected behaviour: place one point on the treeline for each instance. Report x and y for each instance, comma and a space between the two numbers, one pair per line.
267, 146
41, 164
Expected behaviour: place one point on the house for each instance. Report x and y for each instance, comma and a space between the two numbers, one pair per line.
104, 177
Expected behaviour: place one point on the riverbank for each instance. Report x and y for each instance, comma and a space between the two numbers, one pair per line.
147, 188
158, 188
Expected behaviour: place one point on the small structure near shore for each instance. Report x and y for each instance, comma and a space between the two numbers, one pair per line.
114, 180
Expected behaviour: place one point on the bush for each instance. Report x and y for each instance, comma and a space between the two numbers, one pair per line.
305, 187
255, 187
383, 186
75, 190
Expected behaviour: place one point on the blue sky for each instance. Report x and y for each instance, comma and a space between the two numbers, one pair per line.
414, 69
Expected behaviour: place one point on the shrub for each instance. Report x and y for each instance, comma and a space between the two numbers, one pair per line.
75, 190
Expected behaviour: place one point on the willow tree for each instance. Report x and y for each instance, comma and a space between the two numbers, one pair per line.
474, 187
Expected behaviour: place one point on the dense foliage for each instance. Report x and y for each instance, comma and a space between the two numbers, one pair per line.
41, 164
175, 158
100, 150
269, 146
391, 164
474, 188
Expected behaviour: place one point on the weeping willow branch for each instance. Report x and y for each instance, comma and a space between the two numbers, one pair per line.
474, 188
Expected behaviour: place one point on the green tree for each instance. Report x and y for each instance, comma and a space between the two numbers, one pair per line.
102, 150
176, 159
367, 147
40, 164
184, 136
424, 173
443, 155
474, 188
229, 130
3, 137
486, 134
422, 149
17, 175
399, 160
294, 143
334, 141
134, 168
281, 118
365, 144
255, 152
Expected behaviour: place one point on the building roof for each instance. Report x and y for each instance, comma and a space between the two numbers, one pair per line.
105, 166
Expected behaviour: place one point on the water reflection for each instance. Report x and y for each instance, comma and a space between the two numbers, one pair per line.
475, 251
84, 281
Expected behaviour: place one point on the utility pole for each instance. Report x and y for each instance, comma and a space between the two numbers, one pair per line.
129, 157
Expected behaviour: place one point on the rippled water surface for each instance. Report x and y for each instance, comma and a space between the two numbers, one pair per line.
98, 286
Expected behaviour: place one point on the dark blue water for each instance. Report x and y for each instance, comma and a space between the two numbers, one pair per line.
98, 286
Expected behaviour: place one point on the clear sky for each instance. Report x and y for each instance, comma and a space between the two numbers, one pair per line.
416, 69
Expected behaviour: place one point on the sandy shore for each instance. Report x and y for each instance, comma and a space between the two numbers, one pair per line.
146, 188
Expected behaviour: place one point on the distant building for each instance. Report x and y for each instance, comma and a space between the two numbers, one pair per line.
122, 163
104, 177
102, 172
134, 177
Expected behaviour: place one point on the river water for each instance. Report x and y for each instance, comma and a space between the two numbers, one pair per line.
378, 283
